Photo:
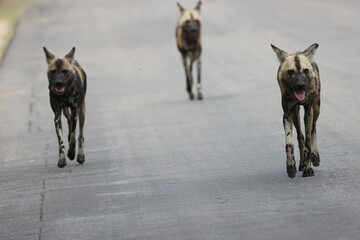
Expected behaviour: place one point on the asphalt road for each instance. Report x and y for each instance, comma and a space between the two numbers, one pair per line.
159, 166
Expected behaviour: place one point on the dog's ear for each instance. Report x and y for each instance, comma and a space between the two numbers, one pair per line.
198, 5
49, 55
281, 54
310, 51
70, 55
180, 7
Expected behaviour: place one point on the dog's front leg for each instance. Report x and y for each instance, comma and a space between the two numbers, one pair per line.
81, 155
300, 135
200, 95
308, 119
72, 142
67, 114
315, 157
289, 147
189, 80
59, 133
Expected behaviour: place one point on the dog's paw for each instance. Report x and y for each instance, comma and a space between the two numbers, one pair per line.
291, 170
308, 172
315, 159
71, 154
61, 163
191, 96
301, 166
200, 96
80, 159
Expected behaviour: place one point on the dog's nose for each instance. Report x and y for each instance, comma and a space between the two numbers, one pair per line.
58, 84
300, 86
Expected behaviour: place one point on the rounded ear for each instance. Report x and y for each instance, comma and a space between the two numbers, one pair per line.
310, 51
70, 55
180, 7
49, 56
198, 5
281, 54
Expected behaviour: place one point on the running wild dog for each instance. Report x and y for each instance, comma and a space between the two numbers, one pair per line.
188, 39
67, 86
299, 81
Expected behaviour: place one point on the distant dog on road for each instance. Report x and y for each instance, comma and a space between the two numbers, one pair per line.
299, 81
188, 39
67, 86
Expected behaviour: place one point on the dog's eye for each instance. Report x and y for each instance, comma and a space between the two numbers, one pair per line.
306, 71
290, 72
52, 72
65, 72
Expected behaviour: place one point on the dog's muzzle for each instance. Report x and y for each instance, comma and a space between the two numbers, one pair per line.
59, 87
192, 29
299, 87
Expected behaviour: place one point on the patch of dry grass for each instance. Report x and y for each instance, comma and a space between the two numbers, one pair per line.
10, 14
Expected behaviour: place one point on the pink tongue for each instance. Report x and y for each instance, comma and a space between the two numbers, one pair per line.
300, 95
60, 89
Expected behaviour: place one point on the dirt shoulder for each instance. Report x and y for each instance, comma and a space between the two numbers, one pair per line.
11, 12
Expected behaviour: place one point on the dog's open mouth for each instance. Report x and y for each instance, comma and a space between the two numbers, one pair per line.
60, 90
300, 95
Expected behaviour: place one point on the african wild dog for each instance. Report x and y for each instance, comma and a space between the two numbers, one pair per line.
67, 86
188, 39
299, 81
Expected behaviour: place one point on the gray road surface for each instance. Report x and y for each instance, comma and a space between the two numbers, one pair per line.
159, 166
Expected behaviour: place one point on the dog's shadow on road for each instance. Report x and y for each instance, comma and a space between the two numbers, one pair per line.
207, 98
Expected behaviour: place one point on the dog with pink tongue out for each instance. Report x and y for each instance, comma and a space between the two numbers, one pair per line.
299, 82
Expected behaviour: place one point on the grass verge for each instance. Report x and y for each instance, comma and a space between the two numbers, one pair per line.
10, 14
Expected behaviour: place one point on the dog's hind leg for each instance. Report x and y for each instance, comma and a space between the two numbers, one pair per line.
199, 93
300, 135
189, 80
72, 131
59, 133
81, 154
308, 119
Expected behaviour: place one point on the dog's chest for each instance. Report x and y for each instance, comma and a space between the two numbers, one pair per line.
72, 101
